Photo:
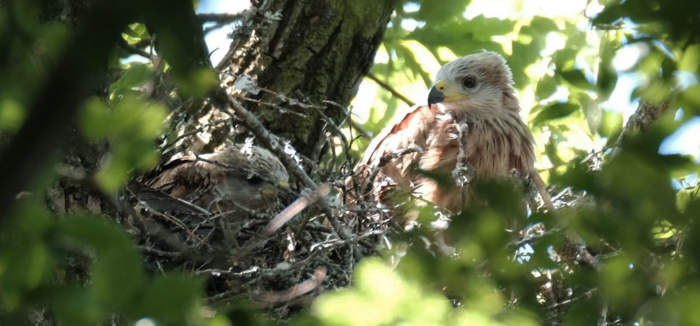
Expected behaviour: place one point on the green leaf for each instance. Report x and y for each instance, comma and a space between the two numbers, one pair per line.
542, 25
137, 75
690, 59
482, 27
135, 33
198, 82
117, 272
554, 111
526, 55
575, 77
550, 149
546, 87
591, 110
690, 99
117, 277
411, 62
607, 75
131, 128
74, 306
463, 37
565, 59
171, 300
436, 11
11, 115
384, 299
611, 125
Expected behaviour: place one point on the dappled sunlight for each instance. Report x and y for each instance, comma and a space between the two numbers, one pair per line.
226, 162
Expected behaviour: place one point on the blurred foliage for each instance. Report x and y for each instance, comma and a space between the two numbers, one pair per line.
83, 270
566, 65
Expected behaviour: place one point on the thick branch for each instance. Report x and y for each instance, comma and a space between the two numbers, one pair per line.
57, 102
220, 18
641, 120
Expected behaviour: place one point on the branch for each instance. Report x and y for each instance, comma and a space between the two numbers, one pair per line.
390, 89
133, 49
56, 103
273, 144
220, 18
640, 121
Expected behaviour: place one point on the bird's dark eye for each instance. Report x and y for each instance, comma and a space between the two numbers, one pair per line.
255, 180
469, 82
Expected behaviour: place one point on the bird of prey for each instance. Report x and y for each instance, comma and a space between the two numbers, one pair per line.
240, 176
470, 130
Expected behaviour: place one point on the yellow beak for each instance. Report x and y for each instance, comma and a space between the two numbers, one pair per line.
441, 92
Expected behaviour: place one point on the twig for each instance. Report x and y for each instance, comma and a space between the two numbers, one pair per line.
297, 290
390, 89
134, 50
359, 129
640, 120
348, 119
294, 208
603, 320
194, 132
586, 294
273, 144
220, 18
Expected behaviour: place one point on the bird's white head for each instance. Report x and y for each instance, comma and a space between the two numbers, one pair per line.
481, 80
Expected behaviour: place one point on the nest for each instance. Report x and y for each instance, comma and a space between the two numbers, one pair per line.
280, 255
239, 254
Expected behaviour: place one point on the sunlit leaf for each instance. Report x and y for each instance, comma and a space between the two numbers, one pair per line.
137, 75
439, 11
607, 76
690, 59
575, 77
11, 115
554, 111
546, 87
611, 124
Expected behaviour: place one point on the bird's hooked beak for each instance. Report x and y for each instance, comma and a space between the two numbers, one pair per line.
441, 92
435, 96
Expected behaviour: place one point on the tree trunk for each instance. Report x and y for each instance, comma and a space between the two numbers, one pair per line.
305, 52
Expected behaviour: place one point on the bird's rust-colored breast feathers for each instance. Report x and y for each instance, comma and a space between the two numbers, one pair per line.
495, 144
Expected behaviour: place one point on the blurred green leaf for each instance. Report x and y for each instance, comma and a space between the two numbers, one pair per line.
198, 83
11, 115
690, 99
575, 77
74, 306
130, 127
171, 300
611, 125
546, 87
136, 75
551, 151
554, 111
439, 11
591, 109
383, 297
135, 33
690, 59
607, 76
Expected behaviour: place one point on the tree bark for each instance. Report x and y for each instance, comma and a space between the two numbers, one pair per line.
306, 52
641, 120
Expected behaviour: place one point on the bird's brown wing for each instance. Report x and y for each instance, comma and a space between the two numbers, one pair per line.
427, 143
415, 141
